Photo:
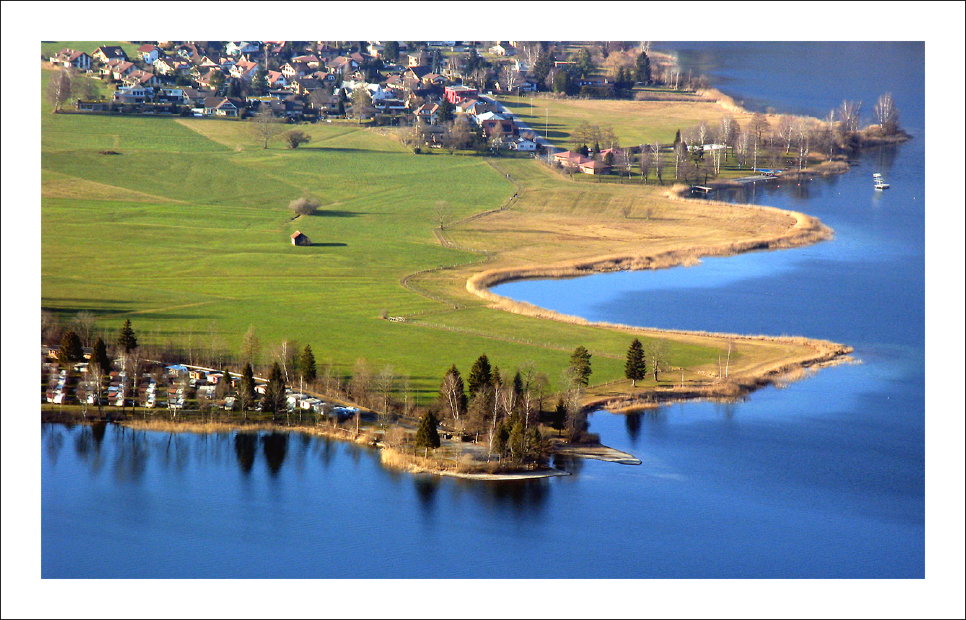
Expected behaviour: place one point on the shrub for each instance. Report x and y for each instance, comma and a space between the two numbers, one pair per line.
296, 138
306, 205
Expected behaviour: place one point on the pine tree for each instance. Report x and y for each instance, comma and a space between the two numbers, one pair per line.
100, 357
559, 415
643, 69
70, 348
275, 391
580, 366
517, 441
635, 368
247, 388
481, 375
307, 367
426, 435
126, 339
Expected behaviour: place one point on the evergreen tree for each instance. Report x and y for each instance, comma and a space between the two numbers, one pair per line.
307, 367
635, 368
517, 441
100, 357
579, 369
224, 386
70, 348
677, 137
501, 438
126, 339
585, 64
260, 81
246, 391
391, 51
534, 442
642, 72
559, 417
274, 399
480, 375
541, 68
426, 435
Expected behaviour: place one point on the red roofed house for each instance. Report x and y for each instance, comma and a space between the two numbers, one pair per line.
149, 53
457, 93
300, 238
73, 58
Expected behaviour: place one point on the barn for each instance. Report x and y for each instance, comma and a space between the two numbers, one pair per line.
300, 238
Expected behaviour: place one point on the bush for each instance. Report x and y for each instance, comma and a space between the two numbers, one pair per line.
307, 205
296, 138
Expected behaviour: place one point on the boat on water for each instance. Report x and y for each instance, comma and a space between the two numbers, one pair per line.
879, 182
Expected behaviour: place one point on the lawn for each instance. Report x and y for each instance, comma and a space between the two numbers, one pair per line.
633, 122
186, 233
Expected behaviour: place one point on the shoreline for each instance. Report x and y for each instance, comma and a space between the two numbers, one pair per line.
389, 457
805, 230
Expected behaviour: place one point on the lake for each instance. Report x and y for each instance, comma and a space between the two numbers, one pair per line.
823, 478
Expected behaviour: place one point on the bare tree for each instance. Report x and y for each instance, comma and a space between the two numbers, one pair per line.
84, 326
306, 205
786, 130
886, 114
848, 115
265, 126
60, 88
441, 214
251, 347
510, 78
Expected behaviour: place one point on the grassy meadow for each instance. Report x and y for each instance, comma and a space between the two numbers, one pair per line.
186, 233
633, 122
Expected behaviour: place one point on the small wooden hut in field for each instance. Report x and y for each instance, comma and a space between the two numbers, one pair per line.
300, 238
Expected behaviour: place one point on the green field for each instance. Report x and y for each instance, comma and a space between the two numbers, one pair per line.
633, 122
48, 48
186, 233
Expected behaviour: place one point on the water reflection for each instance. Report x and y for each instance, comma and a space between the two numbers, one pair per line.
275, 445
570, 464
426, 491
524, 498
245, 446
633, 423
130, 457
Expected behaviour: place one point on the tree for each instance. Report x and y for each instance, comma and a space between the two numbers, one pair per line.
886, 114
848, 115
274, 399
390, 51
306, 205
542, 67
642, 68
251, 346
480, 375
260, 81
60, 88
452, 394
427, 436
297, 138
265, 126
246, 390
99, 367
306, 367
579, 369
217, 80
584, 62
71, 349
126, 339
361, 103
635, 368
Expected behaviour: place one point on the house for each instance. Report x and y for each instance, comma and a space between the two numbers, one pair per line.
139, 77
524, 144
292, 70
310, 60
457, 93
236, 48
107, 53
118, 68
304, 85
497, 125
169, 65
300, 238
222, 106
244, 70
570, 159
133, 94
149, 53
428, 113
72, 58
434, 78
501, 50
593, 167
415, 59
275, 79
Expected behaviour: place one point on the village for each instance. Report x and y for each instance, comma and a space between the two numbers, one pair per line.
381, 83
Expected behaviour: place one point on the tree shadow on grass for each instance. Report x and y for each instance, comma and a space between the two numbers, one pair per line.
327, 245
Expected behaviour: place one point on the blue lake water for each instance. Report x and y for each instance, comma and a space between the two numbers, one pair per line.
824, 478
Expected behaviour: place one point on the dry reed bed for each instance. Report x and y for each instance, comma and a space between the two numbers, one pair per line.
214, 427
804, 230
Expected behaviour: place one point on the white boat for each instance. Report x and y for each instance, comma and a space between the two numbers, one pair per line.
879, 182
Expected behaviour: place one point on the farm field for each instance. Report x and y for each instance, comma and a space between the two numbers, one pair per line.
633, 122
185, 232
